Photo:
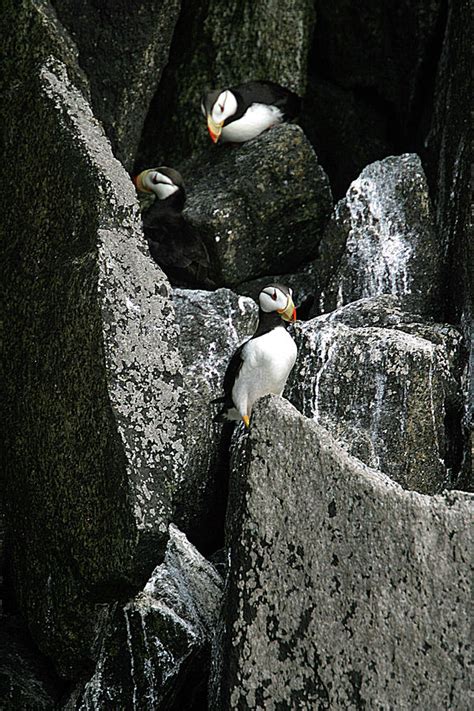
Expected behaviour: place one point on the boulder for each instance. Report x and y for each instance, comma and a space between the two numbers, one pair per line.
154, 651
93, 379
261, 206
381, 239
212, 326
123, 48
215, 45
345, 591
368, 366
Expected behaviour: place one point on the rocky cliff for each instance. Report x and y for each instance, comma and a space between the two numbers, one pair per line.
152, 558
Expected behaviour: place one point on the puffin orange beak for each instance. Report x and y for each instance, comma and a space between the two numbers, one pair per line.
215, 129
289, 312
139, 184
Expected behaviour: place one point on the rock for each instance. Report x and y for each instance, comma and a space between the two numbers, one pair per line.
154, 650
261, 206
368, 366
25, 679
222, 45
123, 50
448, 167
385, 233
212, 326
93, 431
345, 591
370, 85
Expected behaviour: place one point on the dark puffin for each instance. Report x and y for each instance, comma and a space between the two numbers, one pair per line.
242, 112
173, 245
261, 365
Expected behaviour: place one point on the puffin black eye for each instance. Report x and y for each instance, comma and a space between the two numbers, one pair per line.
274, 296
155, 180
221, 106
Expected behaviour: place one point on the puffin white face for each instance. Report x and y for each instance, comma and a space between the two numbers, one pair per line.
272, 298
222, 109
158, 183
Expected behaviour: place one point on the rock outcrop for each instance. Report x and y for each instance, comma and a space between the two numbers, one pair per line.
261, 206
212, 325
381, 239
345, 591
93, 430
123, 49
222, 45
368, 365
153, 651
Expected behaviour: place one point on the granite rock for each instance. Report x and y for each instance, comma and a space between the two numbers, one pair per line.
261, 206
381, 239
93, 429
369, 365
123, 48
345, 591
153, 652
212, 326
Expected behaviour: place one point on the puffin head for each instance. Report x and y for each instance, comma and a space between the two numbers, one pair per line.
217, 107
278, 298
162, 181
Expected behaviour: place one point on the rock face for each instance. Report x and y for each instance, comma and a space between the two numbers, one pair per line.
368, 365
449, 170
212, 325
370, 88
223, 45
345, 591
382, 239
260, 206
123, 48
93, 431
154, 650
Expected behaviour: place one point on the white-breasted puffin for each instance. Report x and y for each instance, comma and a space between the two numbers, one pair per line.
242, 112
261, 365
173, 245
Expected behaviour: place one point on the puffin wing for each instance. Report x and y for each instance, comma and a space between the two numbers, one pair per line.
268, 92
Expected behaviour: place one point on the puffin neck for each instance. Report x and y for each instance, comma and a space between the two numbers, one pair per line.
267, 322
174, 202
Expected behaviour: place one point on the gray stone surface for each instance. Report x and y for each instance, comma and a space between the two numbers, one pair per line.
223, 44
260, 207
153, 651
382, 240
345, 591
123, 48
369, 365
212, 325
93, 429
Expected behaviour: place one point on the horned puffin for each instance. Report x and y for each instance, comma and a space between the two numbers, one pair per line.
179, 252
261, 365
242, 112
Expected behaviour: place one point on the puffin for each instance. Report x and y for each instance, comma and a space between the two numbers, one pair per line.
262, 364
242, 112
173, 245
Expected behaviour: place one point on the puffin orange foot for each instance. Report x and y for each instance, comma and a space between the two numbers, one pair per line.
246, 420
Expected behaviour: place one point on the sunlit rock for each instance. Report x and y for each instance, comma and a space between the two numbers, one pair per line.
381, 240
344, 589
93, 439
384, 384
